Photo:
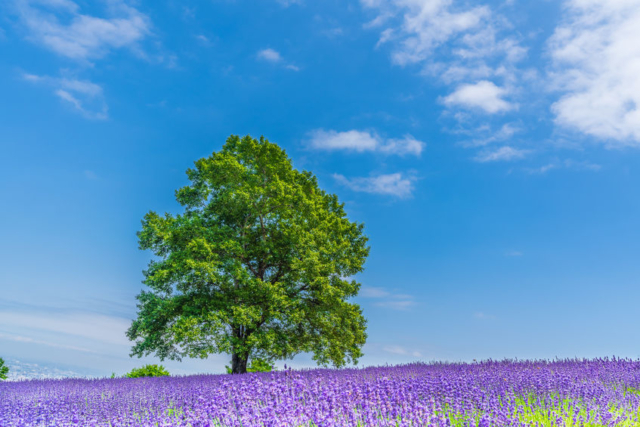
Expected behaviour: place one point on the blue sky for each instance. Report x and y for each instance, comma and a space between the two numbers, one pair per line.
490, 148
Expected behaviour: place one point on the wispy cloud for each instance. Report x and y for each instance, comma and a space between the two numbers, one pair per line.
361, 141
468, 47
395, 184
457, 43
596, 59
485, 135
96, 327
83, 96
582, 165
425, 27
274, 57
332, 32
570, 164
541, 170
393, 300
60, 26
204, 40
23, 339
504, 153
396, 349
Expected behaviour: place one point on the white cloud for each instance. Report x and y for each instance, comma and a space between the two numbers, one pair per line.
85, 97
394, 184
596, 58
465, 45
270, 55
361, 141
484, 95
505, 153
350, 140
274, 57
427, 25
59, 26
454, 42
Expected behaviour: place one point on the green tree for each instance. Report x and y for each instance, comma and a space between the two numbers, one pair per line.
4, 370
147, 371
255, 267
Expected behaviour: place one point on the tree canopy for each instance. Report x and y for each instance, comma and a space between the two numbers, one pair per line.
4, 370
257, 265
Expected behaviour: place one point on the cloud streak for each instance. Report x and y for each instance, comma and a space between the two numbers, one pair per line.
396, 349
85, 97
362, 141
96, 327
504, 154
274, 57
23, 339
392, 300
395, 184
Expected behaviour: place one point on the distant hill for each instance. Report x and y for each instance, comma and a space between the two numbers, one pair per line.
21, 370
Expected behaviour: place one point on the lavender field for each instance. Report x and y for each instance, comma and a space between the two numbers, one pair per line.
509, 393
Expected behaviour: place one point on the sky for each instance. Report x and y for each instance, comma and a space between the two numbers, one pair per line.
491, 148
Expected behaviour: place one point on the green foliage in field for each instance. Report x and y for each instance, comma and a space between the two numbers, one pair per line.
549, 411
148, 371
633, 390
257, 266
4, 370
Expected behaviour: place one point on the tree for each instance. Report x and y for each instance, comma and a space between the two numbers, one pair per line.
4, 370
257, 266
148, 371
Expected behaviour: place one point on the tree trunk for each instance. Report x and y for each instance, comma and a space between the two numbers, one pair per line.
238, 363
